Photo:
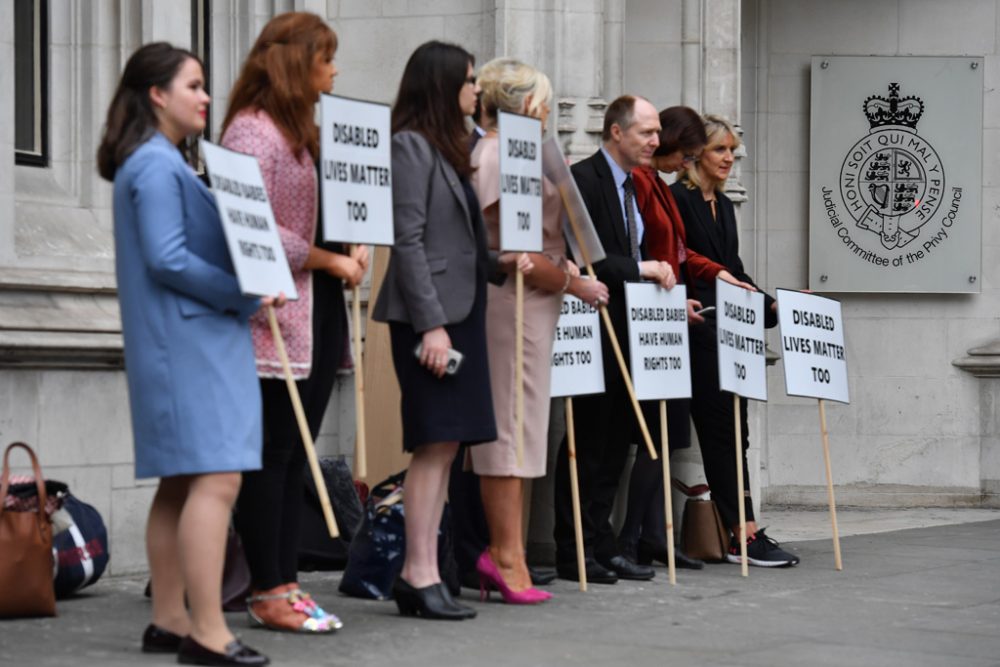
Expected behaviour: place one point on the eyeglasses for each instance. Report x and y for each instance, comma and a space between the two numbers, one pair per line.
689, 158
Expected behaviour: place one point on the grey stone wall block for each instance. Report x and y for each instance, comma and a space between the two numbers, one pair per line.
957, 27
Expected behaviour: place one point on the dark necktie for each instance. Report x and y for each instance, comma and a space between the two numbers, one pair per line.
633, 230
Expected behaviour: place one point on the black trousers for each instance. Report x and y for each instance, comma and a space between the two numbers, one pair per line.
713, 416
605, 426
470, 532
645, 518
269, 507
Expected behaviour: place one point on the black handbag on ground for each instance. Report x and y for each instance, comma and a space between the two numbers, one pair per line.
377, 551
317, 550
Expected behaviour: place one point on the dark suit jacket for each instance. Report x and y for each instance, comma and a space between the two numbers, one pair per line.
716, 239
597, 187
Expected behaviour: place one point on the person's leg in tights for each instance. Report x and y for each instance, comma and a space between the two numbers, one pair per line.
503, 501
426, 490
201, 538
165, 577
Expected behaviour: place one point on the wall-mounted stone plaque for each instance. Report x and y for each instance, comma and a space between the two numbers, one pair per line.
895, 174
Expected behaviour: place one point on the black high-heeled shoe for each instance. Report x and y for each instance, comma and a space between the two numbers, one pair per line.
428, 602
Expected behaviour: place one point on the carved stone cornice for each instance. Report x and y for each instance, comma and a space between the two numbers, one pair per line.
982, 362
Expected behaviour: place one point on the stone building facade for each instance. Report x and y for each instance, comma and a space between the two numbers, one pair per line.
915, 434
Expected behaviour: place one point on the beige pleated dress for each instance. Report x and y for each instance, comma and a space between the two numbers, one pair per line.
541, 313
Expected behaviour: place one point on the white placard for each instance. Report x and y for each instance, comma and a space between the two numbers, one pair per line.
577, 364
520, 183
658, 341
812, 346
740, 339
248, 222
556, 170
356, 177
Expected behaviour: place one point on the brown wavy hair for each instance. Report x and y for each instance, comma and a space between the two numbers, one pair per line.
276, 77
427, 101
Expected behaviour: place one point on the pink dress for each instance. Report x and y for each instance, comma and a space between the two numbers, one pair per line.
291, 186
541, 313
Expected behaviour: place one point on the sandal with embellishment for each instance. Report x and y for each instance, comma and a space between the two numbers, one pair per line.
316, 610
271, 613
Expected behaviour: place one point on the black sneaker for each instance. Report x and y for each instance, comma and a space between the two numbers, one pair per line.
762, 551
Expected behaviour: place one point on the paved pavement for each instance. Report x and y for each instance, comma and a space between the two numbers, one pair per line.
925, 595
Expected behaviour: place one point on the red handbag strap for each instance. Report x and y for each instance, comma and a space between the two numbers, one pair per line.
39, 481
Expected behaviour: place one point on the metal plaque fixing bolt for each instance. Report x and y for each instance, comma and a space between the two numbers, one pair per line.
972, 279
823, 278
824, 64
974, 65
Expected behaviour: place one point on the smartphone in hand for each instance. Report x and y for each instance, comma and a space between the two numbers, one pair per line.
454, 359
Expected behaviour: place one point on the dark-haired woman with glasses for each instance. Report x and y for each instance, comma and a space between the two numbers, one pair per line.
434, 299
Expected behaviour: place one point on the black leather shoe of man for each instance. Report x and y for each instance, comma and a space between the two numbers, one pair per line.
626, 569
541, 577
681, 559
237, 653
596, 573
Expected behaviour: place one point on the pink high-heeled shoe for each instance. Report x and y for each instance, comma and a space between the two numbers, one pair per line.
490, 579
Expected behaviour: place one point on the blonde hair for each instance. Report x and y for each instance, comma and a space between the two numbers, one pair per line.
716, 127
508, 83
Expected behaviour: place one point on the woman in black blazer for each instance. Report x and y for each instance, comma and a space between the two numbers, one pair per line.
710, 221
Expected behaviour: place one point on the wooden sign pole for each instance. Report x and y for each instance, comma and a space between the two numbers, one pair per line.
829, 486
574, 481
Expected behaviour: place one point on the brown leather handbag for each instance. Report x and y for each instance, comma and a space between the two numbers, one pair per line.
702, 534
26, 585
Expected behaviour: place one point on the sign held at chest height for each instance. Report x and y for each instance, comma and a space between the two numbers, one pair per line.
248, 222
658, 341
577, 363
740, 339
520, 183
812, 346
355, 170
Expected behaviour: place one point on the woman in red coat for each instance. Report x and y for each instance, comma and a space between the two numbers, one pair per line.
682, 139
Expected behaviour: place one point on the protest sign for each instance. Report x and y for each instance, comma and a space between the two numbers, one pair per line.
658, 341
520, 140
812, 346
740, 338
577, 364
248, 222
355, 161
586, 249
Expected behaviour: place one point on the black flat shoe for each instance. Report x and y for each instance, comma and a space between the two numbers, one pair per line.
157, 640
541, 577
596, 573
428, 602
237, 653
626, 569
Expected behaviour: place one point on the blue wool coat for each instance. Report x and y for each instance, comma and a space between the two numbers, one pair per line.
193, 387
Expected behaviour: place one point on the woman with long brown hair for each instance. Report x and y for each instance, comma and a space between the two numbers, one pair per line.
188, 355
271, 116
434, 299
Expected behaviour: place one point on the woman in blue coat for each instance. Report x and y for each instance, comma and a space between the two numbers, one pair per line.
189, 360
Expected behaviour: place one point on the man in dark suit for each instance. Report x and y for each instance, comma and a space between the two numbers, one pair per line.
605, 423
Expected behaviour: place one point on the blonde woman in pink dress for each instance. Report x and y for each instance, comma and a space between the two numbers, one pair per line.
512, 86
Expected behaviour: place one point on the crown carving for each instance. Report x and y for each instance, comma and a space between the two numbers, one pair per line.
894, 110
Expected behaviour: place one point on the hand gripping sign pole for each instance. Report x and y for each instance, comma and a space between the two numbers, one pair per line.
577, 369
742, 370
815, 363
520, 173
658, 346
583, 239
261, 268
356, 190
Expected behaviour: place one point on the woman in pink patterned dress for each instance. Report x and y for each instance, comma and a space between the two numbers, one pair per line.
270, 116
